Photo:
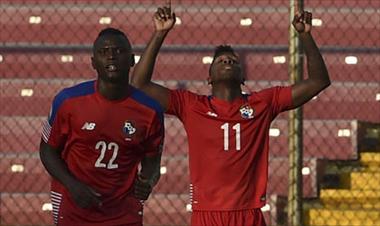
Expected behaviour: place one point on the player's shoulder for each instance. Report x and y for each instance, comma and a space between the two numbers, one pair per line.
267, 94
81, 89
263, 92
145, 100
188, 94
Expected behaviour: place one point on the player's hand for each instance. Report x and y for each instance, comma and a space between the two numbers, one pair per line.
164, 18
84, 196
143, 188
302, 22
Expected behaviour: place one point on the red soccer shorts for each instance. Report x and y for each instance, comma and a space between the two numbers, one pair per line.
253, 217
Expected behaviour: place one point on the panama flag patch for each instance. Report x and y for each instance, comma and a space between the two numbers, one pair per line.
129, 128
247, 112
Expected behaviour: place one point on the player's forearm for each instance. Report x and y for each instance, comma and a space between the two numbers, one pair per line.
56, 167
150, 169
316, 67
143, 71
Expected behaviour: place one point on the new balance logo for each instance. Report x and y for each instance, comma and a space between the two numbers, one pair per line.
88, 126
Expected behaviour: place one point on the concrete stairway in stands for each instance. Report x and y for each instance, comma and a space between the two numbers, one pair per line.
355, 200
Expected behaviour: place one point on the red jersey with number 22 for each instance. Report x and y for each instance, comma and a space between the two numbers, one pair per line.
103, 143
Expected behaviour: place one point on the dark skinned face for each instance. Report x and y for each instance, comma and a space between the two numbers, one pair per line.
112, 58
226, 67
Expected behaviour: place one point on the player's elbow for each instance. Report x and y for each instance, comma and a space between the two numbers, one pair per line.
322, 84
326, 80
42, 148
48, 153
326, 83
44, 152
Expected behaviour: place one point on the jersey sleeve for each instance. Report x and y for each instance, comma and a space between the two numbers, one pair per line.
56, 127
179, 102
279, 98
155, 141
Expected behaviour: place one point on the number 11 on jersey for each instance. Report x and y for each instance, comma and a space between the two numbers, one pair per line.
225, 128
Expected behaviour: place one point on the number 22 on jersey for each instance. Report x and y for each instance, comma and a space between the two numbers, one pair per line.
103, 147
226, 136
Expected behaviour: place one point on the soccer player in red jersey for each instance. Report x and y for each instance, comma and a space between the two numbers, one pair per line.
228, 132
97, 134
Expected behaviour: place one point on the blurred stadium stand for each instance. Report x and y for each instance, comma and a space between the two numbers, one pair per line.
46, 46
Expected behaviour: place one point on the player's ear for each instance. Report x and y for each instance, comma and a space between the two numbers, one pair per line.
133, 60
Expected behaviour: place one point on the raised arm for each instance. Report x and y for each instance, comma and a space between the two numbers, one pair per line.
164, 21
318, 77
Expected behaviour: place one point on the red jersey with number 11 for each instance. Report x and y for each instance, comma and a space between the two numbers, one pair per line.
228, 146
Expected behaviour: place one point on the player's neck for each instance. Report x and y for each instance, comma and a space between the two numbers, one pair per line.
226, 92
112, 91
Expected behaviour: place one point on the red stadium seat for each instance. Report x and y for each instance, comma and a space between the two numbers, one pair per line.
279, 173
27, 174
251, 3
340, 4
30, 129
175, 138
327, 139
365, 70
79, 24
20, 134
171, 209
32, 209
342, 100
59, 34
25, 209
261, 66
175, 205
77, 65
183, 66
320, 137
23, 173
346, 100
175, 179
49, 65
30, 97
166, 209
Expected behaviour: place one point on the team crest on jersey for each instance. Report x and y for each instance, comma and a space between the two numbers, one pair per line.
129, 128
247, 112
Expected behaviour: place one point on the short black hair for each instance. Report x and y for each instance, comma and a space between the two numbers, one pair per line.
223, 49
110, 31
